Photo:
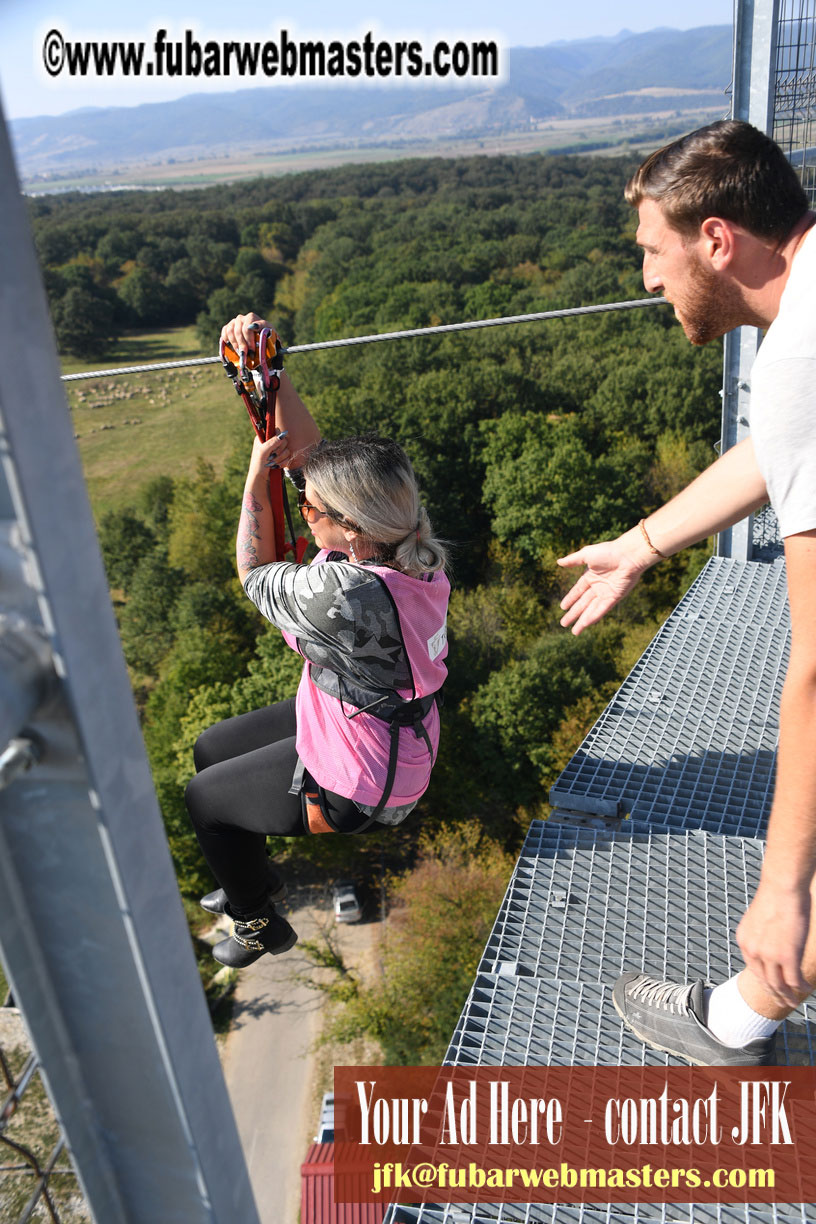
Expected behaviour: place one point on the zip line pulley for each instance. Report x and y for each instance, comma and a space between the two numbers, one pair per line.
256, 378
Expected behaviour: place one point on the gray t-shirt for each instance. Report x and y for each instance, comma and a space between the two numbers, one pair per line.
783, 398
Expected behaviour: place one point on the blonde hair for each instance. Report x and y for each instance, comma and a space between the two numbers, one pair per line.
368, 483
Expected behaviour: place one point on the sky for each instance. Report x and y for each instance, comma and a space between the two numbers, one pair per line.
27, 89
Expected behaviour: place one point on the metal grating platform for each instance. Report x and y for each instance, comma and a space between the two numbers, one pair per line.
689, 741
518, 1021
631, 893
583, 905
687, 746
612, 1213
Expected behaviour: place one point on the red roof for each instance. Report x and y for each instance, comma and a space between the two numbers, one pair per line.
317, 1205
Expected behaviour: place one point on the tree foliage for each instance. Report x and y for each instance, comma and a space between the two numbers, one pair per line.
527, 441
442, 913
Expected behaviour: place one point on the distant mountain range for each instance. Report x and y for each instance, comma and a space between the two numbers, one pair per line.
628, 75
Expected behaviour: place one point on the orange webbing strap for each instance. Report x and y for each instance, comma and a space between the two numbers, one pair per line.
296, 545
314, 805
313, 809
316, 816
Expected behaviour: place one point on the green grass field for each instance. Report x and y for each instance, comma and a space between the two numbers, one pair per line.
132, 427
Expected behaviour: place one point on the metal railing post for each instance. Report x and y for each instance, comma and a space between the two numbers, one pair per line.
92, 930
753, 101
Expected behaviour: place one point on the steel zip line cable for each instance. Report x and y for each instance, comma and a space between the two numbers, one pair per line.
396, 335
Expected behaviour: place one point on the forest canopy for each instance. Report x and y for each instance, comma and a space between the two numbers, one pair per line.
527, 440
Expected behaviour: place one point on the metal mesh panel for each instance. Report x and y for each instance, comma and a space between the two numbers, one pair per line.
36, 1177
592, 1213
766, 542
518, 1021
522, 1020
689, 740
631, 894
795, 85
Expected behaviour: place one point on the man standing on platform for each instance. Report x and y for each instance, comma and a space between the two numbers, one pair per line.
727, 237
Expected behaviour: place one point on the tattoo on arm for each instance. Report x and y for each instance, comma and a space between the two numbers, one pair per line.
249, 531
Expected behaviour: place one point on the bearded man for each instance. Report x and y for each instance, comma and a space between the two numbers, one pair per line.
727, 237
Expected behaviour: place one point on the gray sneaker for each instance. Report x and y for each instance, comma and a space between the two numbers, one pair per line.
670, 1017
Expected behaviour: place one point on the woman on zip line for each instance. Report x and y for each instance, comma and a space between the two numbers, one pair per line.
353, 751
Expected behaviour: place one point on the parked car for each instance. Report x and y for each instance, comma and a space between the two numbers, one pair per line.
347, 905
325, 1127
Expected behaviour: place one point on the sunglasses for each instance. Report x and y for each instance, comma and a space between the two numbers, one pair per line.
311, 513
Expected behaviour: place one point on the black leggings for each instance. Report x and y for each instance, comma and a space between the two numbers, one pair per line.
240, 795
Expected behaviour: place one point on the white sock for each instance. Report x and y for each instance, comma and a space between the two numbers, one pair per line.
730, 1018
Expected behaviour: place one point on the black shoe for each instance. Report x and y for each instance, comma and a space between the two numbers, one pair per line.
253, 935
216, 902
669, 1017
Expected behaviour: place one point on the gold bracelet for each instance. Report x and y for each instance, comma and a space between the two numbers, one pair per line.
656, 551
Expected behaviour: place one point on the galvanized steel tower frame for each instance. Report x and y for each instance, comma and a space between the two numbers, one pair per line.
92, 932
774, 87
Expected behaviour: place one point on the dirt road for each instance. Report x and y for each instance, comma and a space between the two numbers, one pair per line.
269, 1065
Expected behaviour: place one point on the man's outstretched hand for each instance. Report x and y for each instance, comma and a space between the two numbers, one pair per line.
613, 568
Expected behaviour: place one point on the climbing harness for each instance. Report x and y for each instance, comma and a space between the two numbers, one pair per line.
256, 377
315, 809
